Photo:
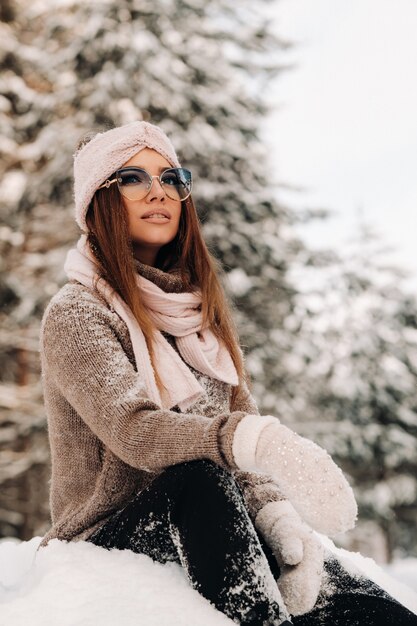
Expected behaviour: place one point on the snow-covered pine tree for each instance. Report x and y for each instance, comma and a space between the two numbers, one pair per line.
199, 69
354, 370
194, 67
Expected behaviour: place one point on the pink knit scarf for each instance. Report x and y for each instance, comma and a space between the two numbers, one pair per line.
174, 313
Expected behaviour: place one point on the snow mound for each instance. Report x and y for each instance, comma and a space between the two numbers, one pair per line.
79, 584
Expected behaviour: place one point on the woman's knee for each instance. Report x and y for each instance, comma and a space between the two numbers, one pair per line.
202, 478
198, 468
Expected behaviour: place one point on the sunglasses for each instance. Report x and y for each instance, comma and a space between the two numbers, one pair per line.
134, 183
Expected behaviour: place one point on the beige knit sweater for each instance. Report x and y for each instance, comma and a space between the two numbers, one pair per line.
108, 440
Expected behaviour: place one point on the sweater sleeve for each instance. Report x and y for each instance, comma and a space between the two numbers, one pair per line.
84, 361
258, 489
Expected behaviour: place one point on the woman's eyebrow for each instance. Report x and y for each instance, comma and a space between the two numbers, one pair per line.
161, 169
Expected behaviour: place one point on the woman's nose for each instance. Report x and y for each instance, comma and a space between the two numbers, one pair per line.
156, 190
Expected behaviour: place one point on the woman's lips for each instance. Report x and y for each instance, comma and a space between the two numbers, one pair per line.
156, 212
156, 220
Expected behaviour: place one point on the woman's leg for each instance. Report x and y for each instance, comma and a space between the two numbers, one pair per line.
194, 513
349, 599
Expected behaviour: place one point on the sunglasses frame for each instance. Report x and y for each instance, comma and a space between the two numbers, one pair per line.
163, 185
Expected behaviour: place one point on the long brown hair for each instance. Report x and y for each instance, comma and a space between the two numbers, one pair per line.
186, 254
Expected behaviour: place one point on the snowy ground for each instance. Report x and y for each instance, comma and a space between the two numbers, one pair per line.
79, 584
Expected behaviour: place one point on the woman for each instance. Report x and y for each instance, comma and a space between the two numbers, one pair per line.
157, 444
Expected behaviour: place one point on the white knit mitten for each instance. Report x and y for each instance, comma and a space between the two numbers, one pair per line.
299, 554
304, 472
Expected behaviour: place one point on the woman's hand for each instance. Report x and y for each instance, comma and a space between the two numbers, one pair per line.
304, 472
299, 554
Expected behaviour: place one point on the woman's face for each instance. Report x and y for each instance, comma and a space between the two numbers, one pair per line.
150, 234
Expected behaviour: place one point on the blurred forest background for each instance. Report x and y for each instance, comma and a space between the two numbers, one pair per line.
330, 337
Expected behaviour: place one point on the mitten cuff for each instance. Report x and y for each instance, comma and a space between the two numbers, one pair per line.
246, 438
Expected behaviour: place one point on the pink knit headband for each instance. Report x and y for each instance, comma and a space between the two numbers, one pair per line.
107, 152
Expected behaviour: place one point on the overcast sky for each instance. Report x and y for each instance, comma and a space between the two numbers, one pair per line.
346, 127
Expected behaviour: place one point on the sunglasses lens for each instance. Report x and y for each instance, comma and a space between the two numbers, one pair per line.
177, 183
133, 183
